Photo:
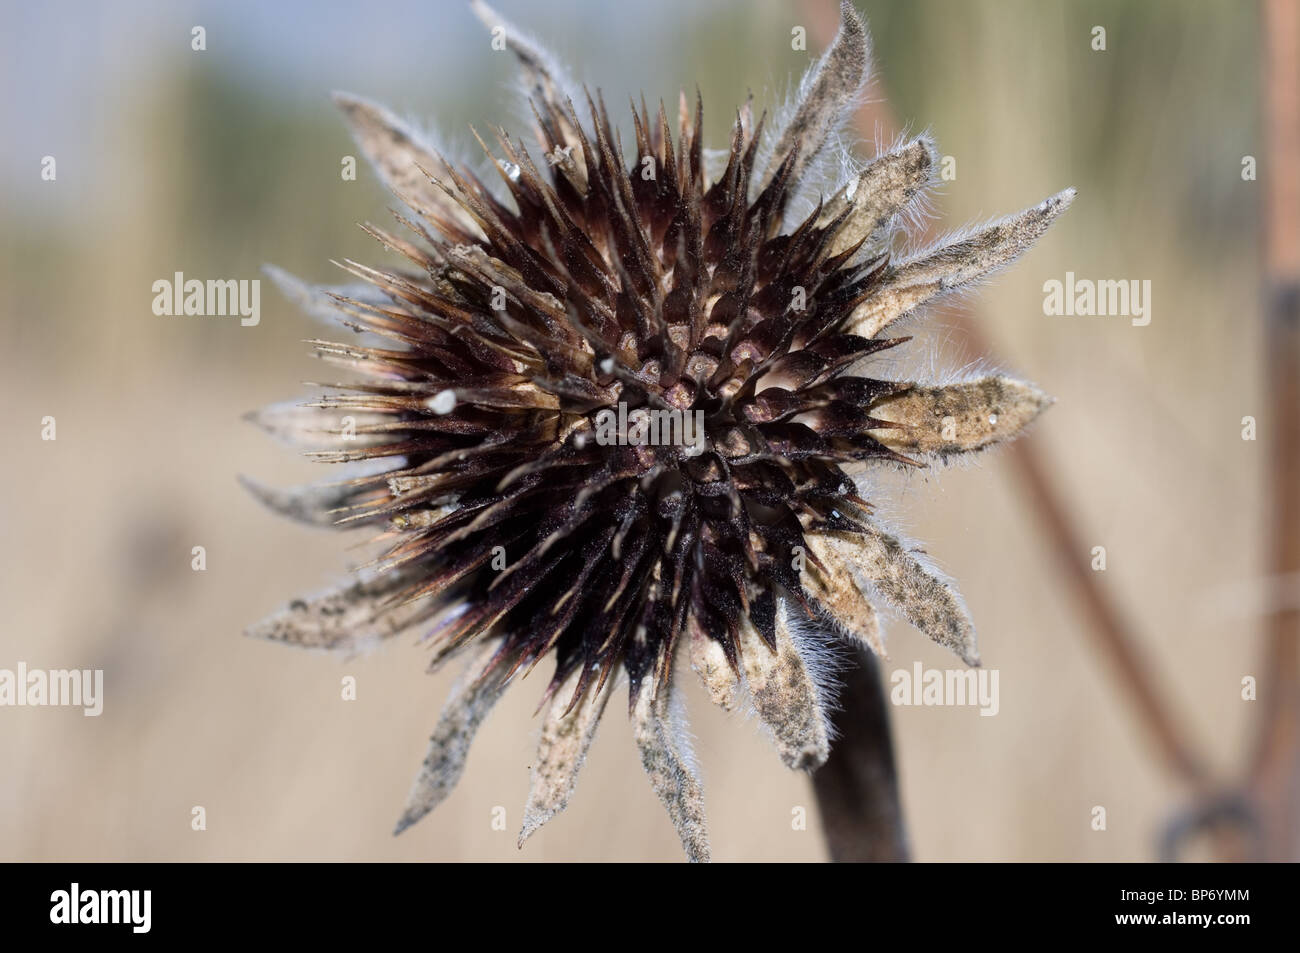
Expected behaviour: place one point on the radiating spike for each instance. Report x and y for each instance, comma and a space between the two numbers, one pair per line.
399, 154
783, 691
878, 195
666, 758
709, 660
567, 734
838, 593
545, 86
319, 301
302, 427
928, 601
827, 93
960, 418
468, 704
345, 618
316, 504
952, 265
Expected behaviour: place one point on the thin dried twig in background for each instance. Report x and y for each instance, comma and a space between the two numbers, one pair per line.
1274, 780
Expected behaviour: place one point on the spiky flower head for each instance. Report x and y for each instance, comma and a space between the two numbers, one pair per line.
615, 414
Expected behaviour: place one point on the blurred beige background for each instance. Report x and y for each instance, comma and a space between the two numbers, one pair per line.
214, 163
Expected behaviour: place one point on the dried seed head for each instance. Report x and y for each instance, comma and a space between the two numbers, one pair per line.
612, 410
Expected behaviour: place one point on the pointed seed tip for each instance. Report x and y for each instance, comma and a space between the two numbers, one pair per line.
345, 100
288, 284
485, 13
1064, 198
926, 143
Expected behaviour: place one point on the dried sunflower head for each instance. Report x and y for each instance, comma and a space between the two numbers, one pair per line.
616, 415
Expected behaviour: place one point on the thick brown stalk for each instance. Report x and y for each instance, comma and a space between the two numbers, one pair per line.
857, 787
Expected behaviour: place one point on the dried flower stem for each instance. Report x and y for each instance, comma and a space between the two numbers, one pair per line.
857, 787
